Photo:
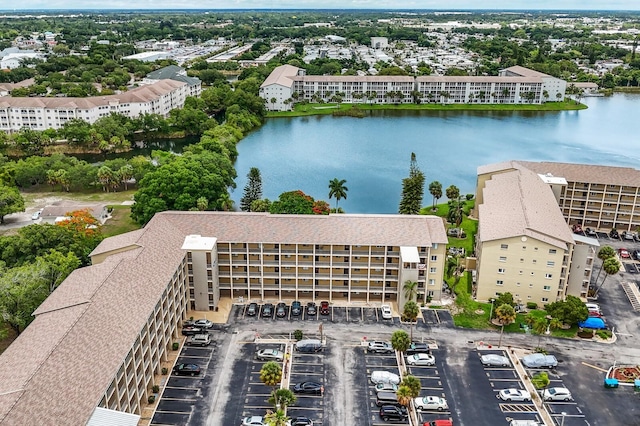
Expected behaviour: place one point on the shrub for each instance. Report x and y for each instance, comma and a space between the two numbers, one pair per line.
165, 371
604, 334
176, 346
152, 399
155, 388
298, 334
532, 305
540, 351
585, 334
540, 380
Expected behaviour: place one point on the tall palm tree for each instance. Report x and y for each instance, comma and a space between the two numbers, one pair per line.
276, 418
605, 253
611, 266
338, 190
505, 314
271, 374
404, 395
282, 398
410, 289
435, 189
410, 313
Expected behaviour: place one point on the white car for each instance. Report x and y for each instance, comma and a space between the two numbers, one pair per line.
557, 394
36, 215
493, 360
253, 421
431, 403
203, 323
270, 355
386, 312
384, 377
421, 359
386, 387
514, 395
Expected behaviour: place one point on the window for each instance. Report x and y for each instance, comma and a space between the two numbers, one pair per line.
434, 258
546, 288
432, 270
503, 258
504, 246
528, 297
545, 299
535, 249
530, 285
548, 276
521, 260
532, 273
551, 263
432, 281
499, 282
552, 251
534, 261
524, 247
518, 284
501, 270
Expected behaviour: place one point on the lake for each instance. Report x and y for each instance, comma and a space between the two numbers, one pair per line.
373, 153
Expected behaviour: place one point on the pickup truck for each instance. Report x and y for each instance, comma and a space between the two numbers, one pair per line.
199, 340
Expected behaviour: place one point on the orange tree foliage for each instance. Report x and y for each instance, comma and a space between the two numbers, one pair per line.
82, 222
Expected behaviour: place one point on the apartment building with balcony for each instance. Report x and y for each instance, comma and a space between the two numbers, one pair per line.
95, 344
515, 85
41, 113
524, 245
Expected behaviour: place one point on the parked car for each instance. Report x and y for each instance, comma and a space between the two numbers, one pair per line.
324, 308
627, 236
36, 215
421, 359
614, 234
384, 377
252, 310
281, 310
592, 307
253, 421
557, 394
380, 347
635, 254
441, 422
430, 403
386, 387
199, 340
314, 388
191, 330
267, 310
269, 355
186, 370
524, 423
539, 361
594, 323
393, 412
387, 398
493, 360
300, 421
309, 346
311, 308
418, 348
386, 312
590, 232
203, 323
624, 253
296, 308
514, 395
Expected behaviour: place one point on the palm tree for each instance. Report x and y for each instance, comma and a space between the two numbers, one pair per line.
611, 266
414, 385
337, 190
271, 374
605, 253
410, 313
505, 314
410, 289
282, 398
435, 189
400, 340
404, 395
225, 202
126, 173
276, 418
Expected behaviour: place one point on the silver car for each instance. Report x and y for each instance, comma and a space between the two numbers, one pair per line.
386, 387
421, 359
539, 361
270, 355
493, 360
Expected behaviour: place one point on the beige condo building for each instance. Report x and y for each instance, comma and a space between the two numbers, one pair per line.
92, 351
524, 245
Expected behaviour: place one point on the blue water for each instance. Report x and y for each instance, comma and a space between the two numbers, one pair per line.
373, 153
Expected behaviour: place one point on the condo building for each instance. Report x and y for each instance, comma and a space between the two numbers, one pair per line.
41, 113
515, 85
524, 245
91, 352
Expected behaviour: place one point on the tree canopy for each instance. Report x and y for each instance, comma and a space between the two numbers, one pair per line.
570, 311
297, 202
11, 201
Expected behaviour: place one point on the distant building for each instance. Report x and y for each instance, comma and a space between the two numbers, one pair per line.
379, 42
40, 113
514, 85
151, 56
12, 57
174, 72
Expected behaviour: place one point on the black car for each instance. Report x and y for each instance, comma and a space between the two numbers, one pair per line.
267, 310
281, 310
635, 254
311, 308
614, 234
186, 370
252, 309
191, 330
418, 348
391, 412
296, 308
301, 421
314, 388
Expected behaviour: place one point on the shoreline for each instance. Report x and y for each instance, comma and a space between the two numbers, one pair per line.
346, 109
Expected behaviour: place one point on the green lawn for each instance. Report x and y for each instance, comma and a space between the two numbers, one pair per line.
100, 196
120, 221
328, 108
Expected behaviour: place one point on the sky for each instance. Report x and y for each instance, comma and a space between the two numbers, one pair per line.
325, 4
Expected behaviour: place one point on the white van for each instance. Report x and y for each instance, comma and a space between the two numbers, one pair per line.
524, 423
593, 307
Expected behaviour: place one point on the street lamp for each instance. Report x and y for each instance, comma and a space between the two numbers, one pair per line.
491, 311
548, 330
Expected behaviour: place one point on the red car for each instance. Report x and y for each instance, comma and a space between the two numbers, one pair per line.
324, 308
624, 253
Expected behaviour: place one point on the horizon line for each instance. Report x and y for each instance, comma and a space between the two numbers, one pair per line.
73, 9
